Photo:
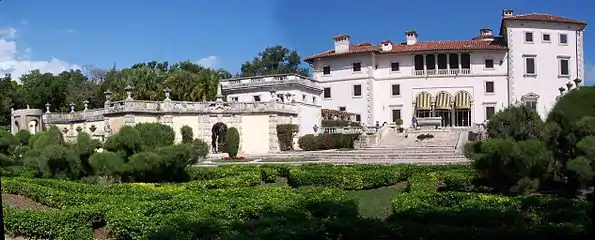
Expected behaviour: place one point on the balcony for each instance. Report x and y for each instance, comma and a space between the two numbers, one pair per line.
442, 64
271, 80
442, 72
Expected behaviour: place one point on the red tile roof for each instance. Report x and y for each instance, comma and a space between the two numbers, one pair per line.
457, 45
543, 18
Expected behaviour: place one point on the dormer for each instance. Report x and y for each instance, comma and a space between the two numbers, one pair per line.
341, 43
387, 45
411, 37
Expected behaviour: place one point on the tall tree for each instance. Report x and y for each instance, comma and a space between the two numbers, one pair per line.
274, 60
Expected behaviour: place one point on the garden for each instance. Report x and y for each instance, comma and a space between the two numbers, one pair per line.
530, 179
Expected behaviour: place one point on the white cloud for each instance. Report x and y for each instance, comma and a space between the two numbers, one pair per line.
8, 32
18, 62
209, 62
24, 22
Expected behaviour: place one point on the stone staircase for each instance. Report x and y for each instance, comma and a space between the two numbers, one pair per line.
403, 148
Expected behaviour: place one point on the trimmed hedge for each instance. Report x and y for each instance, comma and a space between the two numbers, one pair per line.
285, 135
311, 142
232, 143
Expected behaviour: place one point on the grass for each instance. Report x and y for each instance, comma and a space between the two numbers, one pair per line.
297, 159
376, 203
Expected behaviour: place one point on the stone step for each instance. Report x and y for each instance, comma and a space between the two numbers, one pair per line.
386, 151
399, 161
390, 156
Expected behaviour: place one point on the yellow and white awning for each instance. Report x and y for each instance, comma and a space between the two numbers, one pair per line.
463, 100
423, 101
443, 100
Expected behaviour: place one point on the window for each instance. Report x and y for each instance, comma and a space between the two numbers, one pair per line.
327, 92
357, 90
358, 118
529, 37
256, 98
314, 100
531, 104
563, 39
530, 65
490, 111
235, 99
304, 98
394, 67
395, 90
490, 87
326, 70
342, 109
396, 114
546, 37
489, 63
357, 67
564, 70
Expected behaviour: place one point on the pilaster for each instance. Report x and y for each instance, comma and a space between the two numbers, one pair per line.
273, 141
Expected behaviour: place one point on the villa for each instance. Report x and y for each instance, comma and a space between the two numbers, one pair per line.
534, 59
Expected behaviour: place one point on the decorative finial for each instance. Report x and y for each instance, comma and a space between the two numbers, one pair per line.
569, 85
577, 82
47, 107
167, 92
219, 93
72, 107
561, 89
128, 90
86, 105
108, 95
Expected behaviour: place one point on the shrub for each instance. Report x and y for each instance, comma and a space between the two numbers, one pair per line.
127, 141
107, 164
155, 134
504, 162
144, 167
422, 137
23, 137
57, 161
285, 135
52, 136
517, 122
201, 148
309, 142
7, 142
232, 142
187, 134
399, 122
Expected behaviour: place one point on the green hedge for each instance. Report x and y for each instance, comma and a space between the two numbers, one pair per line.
311, 142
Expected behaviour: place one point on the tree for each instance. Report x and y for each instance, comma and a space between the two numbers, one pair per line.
274, 60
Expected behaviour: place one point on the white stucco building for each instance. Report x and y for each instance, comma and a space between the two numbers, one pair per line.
303, 92
534, 59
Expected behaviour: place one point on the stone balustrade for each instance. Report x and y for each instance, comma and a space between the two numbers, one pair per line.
168, 106
282, 79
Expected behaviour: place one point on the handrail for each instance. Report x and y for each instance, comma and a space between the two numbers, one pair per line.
365, 140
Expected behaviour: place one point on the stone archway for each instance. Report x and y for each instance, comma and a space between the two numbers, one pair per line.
17, 126
218, 133
33, 126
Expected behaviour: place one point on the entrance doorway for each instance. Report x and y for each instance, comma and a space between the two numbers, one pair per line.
446, 116
218, 133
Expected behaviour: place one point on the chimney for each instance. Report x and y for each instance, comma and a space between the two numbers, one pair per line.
341, 43
387, 45
485, 32
507, 12
411, 37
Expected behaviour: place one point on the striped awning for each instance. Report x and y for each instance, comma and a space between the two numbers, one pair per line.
443, 100
423, 101
463, 100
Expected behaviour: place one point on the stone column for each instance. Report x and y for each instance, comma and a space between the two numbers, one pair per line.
273, 141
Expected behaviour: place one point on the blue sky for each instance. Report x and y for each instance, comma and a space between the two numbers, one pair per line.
225, 33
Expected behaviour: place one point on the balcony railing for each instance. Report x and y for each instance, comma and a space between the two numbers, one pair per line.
442, 72
268, 80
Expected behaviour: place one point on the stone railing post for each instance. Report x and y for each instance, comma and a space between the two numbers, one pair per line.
128, 102
108, 98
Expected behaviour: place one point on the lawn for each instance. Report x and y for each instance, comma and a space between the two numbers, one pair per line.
376, 203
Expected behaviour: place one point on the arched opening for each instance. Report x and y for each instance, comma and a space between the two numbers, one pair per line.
443, 108
33, 126
462, 109
218, 137
17, 126
423, 105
